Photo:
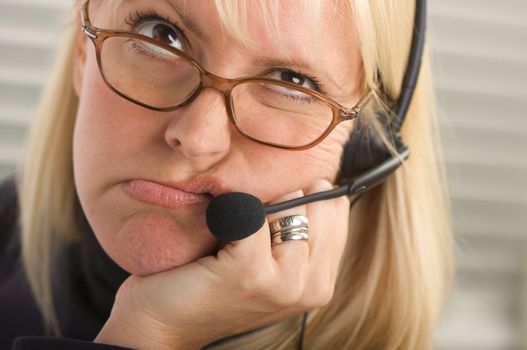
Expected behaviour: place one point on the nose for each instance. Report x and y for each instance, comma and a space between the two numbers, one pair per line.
201, 130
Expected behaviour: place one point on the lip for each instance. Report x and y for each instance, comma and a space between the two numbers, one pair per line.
174, 195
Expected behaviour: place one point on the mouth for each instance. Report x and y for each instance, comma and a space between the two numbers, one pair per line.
178, 195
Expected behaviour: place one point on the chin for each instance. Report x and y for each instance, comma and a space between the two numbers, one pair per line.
146, 261
147, 244
148, 265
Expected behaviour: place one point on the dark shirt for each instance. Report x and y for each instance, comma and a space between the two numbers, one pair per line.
84, 283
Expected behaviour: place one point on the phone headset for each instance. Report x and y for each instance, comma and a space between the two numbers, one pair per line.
365, 163
366, 160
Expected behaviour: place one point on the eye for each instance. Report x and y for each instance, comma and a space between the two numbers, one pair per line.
161, 31
289, 76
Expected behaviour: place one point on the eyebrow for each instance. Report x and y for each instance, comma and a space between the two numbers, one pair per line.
262, 60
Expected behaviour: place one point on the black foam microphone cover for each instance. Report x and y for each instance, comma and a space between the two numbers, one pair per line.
233, 216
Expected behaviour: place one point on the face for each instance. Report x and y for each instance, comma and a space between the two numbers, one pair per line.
144, 177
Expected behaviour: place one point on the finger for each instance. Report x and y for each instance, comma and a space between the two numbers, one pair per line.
252, 248
284, 263
328, 219
328, 235
257, 247
287, 247
262, 236
291, 257
275, 217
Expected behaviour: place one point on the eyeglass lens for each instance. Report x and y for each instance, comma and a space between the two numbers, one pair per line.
160, 78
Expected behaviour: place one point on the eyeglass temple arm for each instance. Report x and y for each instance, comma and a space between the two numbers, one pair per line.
85, 22
377, 174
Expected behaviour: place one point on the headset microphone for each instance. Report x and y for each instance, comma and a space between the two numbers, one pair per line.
235, 215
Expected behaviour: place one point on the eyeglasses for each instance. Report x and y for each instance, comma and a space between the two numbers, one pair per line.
160, 77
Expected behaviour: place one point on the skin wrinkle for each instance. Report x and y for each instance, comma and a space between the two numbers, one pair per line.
195, 140
338, 85
188, 22
360, 315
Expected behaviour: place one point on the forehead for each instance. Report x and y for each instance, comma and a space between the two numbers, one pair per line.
305, 33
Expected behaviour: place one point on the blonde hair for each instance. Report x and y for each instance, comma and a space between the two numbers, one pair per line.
397, 267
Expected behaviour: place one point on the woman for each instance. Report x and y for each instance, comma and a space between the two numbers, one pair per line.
129, 152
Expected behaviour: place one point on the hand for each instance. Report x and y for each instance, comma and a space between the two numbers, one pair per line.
248, 284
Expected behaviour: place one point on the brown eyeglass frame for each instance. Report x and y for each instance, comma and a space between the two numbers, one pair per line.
224, 85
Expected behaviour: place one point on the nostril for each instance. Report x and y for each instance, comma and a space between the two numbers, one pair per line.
173, 143
200, 129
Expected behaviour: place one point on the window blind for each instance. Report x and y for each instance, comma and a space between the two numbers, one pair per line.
479, 52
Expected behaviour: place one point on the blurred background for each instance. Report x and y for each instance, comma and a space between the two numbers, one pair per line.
480, 60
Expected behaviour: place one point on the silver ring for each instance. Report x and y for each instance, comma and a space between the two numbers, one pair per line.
289, 228
292, 221
300, 235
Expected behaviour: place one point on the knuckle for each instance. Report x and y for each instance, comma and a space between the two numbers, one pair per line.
320, 294
324, 296
293, 292
256, 279
286, 292
272, 288
343, 202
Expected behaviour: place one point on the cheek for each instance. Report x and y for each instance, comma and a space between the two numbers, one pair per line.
100, 113
327, 154
113, 140
93, 130
104, 140
109, 130
288, 171
95, 123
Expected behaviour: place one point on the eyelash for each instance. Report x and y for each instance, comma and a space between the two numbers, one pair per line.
139, 15
316, 83
134, 18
